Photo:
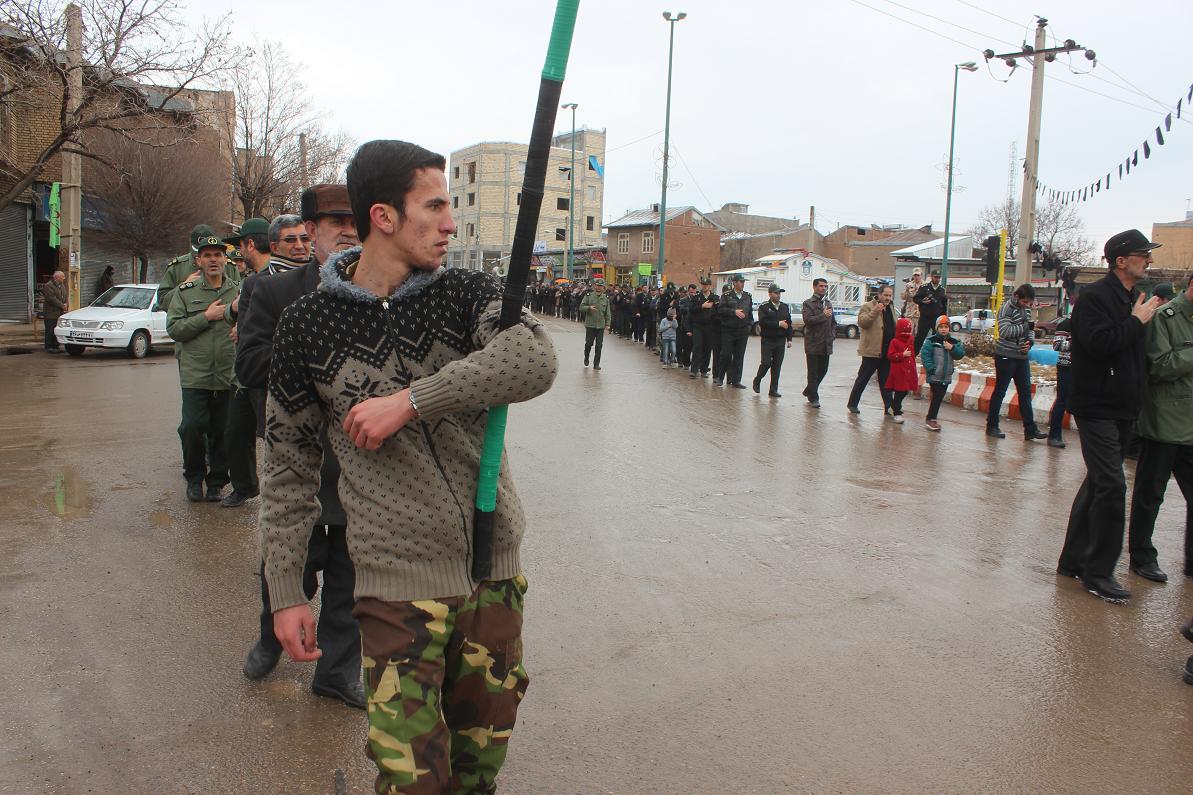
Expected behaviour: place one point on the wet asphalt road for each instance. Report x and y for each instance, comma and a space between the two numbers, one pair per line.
729, 594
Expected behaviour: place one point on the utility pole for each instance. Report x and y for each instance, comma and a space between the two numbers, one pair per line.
671, 20
72, 167
1039, 55
303, 175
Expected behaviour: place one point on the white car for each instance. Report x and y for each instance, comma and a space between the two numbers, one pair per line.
125, 316
974, 320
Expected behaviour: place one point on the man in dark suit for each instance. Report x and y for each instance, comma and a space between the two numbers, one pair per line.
327, 216
736, 312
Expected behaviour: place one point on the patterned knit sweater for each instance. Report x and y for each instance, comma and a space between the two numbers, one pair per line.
410, 503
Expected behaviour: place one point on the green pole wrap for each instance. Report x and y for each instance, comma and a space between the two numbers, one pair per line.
561, 40
490, 468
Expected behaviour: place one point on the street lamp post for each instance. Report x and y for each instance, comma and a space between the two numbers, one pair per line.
968, 66
571, 193
666, 142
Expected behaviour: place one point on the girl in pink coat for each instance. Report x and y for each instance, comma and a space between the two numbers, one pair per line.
903, 377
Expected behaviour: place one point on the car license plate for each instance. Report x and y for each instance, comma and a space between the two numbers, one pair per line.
79, 336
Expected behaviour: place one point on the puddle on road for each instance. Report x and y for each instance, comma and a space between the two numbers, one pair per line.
70, 497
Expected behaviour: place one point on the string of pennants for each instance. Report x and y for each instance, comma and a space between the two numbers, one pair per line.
1124, 168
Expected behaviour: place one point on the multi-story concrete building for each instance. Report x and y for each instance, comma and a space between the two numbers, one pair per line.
485, 181
693, 246
869, 250
1177, 241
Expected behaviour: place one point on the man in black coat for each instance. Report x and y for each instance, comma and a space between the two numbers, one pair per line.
736, 312
775, 331
702, 315
683, 342
327, 215
933, 302
1106, 393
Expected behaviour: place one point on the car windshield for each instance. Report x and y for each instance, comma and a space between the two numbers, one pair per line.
125, 298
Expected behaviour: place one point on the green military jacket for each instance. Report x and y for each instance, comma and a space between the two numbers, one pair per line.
205, 353
175, 274
1167, 414
599, 318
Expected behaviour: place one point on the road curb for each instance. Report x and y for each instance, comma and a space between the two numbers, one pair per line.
972, 391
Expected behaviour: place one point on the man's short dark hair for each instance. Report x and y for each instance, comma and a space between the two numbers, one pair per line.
1025, 291
260, 243
383, 172
818, 281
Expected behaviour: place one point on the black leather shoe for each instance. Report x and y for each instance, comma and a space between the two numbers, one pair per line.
1106, 588
774, 394
194, 492
1065, 571
585, 361
215, 494
351, 693
757, 385
260, 661
854, 410
995, 433
1149, 571
1031, 436
238, 498
738, 386
1187, 630
1188, 674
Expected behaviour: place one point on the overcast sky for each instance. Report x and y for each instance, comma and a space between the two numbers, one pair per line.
780, 105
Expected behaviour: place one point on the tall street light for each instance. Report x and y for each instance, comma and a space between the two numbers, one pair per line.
968, 66
666, 141
571, 192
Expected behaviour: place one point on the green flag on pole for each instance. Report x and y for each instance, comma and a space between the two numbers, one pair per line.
55, 213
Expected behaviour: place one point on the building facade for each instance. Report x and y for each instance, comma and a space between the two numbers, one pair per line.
869, 250
692, 246
485, 181
1177, 240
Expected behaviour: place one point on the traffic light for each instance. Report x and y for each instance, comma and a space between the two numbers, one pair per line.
993, 245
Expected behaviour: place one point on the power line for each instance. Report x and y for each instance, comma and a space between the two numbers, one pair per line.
1138, 90
631, 143
947, 22
695, 181
1107, 96
988, 11
914, 25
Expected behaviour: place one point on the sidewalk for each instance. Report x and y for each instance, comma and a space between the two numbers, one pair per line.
17, 337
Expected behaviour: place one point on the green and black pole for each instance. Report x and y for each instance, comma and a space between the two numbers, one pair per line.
538, 153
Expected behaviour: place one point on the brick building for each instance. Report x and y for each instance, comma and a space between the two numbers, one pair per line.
748, 236
1177, 240
868, 250
485, 181
693, 246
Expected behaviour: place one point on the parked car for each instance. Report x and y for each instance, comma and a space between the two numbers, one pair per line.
125, 316
1047, 328
974, 320
847, 325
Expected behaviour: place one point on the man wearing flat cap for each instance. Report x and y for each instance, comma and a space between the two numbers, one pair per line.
185, 268
736, 311
775, 332
1109, 368
327, 217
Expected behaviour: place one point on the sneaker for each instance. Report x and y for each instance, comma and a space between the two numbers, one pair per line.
898, 419
932, 425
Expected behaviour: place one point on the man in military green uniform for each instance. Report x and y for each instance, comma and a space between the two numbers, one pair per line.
595, 311
185, 268
1165, 428
206, 355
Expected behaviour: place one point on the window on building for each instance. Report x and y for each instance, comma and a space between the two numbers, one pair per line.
861, 232
473, 259
455, 202
521, 167
853, 294
518, 200
590, 223
592, 194
470, 231
590, 166
456, 172
623, 242
648, 242
472, 172
561, 204
471, 199
561, 234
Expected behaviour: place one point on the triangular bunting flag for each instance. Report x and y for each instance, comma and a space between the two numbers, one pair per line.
1168, 123
1159, 137
1135, 158
1147, 150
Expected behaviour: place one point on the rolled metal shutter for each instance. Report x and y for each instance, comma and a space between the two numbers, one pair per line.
16, 289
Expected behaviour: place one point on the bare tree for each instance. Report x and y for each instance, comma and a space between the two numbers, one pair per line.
156, 193
279, 143
129, 46
1059, 229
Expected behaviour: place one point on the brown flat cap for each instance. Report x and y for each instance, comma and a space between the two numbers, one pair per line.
326, 199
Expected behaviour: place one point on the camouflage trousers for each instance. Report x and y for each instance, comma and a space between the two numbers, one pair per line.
444, 678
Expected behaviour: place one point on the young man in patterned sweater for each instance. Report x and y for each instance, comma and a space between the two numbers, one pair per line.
401, 359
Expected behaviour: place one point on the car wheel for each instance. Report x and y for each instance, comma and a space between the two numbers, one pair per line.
851, 332
75, 350
955, 327
1039, 333
138, 346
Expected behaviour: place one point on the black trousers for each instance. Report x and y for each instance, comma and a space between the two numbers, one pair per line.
639, 328
51, 342
923, 328
204, 421
1007, 370
591, 336
773, 350
817, 370
1094, 539
683, 349
701, 349
871, 365
652, 332
240, 441
1157, 461
337, 631
938, 391
733, 354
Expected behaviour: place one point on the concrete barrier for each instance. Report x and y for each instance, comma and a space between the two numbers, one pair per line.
972, 391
